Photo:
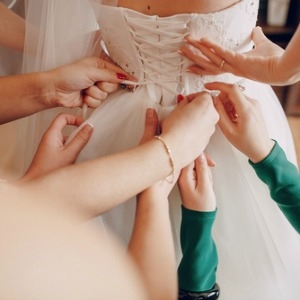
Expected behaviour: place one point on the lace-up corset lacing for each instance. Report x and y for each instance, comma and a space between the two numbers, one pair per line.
157, 43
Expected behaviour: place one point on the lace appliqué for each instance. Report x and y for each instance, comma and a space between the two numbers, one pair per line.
215, 26
147, 46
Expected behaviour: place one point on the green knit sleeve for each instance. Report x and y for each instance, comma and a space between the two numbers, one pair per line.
197, 269
283, 180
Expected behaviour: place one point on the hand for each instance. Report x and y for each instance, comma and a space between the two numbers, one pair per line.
241, 121
52, 152
86, 81
196, 186
190, 125
258, 64
161, 189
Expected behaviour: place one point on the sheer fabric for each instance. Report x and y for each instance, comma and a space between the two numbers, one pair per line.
258, 249
57, 33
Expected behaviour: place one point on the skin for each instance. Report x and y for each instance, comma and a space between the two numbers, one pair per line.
151, 244
267, 62
47, 254
53, 153
164, 9
12, 29
248, 131
97, 254
86, 81
81, 186
196, 185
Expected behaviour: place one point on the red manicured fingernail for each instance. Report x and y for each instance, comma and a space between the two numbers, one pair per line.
179, 98
121, 76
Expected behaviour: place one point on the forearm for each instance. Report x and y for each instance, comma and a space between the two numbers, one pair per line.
152, 247
22, 95
283, 180
288, 67
96, 186
12, 29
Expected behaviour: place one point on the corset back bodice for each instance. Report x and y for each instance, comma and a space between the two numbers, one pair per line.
147, 46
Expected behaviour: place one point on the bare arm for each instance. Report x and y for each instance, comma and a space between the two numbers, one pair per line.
289, 63
98, 185
12, 29
267, 62
247, 131
151, 244
67, 86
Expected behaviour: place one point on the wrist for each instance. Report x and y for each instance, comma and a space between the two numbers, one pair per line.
170, 155
46, 89
263, 152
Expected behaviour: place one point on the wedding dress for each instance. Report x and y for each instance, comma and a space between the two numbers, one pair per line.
258, 249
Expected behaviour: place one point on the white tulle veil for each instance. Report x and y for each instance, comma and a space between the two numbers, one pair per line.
57, 32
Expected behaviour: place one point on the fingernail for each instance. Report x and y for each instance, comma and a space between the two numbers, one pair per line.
202, 157
89, 127
121, 76
150, 112
179, 98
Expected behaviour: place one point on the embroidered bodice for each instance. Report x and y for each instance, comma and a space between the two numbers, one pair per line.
147, 46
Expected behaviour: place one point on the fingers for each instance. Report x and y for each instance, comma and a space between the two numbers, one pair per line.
80, 140
202, 69
221, 59
92, 102
215, 59
151, 125
199, 95
230, 92
107, 78
258, 36
102, 64
202, 170
210, 161
107, 87
62, 120
203, 65
216, 52
96, 92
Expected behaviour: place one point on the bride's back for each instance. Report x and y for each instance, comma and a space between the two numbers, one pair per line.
163, 8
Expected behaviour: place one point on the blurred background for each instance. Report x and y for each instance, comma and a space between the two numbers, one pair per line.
279, 20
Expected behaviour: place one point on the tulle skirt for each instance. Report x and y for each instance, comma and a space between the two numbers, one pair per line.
258, 249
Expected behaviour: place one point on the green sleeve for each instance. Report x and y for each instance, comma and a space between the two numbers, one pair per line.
283, 180
197, 269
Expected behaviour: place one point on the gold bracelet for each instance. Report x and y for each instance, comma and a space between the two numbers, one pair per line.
170, 157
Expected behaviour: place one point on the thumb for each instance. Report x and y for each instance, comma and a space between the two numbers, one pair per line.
151, 124
203, 171
258, 36
80, 139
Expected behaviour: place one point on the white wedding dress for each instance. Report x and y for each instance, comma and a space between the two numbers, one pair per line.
259, 252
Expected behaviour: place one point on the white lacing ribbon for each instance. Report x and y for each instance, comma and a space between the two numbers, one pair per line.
171, 35
171, 38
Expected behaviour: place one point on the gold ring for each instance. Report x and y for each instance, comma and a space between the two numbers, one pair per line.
222, 64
